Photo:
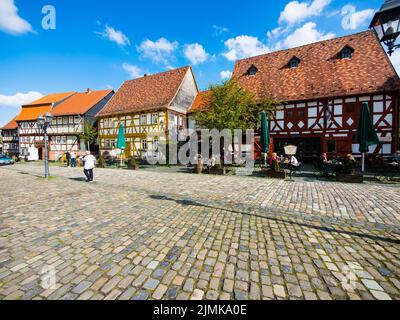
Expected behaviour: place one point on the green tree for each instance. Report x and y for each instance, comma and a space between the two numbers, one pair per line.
229, 106
90, 135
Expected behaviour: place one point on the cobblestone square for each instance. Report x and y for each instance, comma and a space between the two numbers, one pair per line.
135, 235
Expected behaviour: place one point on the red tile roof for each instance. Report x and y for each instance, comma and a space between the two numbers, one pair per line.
198, 103
12, 125
32, 113
146, 93
321, 73
80, 103
51, 98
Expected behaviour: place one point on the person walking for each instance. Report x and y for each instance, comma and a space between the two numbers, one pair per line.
90, 163
73, 159
68, 158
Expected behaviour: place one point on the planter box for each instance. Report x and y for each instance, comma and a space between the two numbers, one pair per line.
350, 178
275, 175
198, 168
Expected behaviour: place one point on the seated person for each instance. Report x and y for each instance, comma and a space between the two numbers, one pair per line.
294, 162
349, 165
325, 164
396, 156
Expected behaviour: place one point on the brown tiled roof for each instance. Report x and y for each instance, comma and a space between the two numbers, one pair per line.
146, 93
80, 103
198, 103
320, 72
12, 125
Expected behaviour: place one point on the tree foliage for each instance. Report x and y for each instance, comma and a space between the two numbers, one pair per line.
229, 106
90, 134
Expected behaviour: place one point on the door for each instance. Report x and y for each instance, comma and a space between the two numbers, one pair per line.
40, 151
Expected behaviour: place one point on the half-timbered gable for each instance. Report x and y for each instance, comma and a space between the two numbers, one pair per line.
70, 118
147, 107
31, 141
321, 87
10, 138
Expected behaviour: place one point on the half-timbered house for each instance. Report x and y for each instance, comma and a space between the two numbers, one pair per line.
70, 118
10, 138
147, 107
321, 87
31, 140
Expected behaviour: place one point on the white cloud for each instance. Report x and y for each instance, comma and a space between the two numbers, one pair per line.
306, 34
244, 47
158, 51
195, 53
353, 19
296, 11
19, 99
10, 21
225, 75
395, 58
116, 36
219, 30
133, 71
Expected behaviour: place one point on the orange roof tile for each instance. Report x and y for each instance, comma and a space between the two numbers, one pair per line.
321, 73
198, 103
51, 98
12, 125
32, 113
80, 103
146, 93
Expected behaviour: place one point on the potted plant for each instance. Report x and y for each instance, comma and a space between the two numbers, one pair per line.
132, 164
101, 162
199, 166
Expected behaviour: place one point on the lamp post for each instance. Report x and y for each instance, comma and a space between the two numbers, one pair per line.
386, 24
44, 122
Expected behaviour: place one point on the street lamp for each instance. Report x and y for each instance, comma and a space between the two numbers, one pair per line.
386, 24
44, 122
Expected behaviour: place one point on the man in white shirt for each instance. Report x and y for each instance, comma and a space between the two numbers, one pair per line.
90, 164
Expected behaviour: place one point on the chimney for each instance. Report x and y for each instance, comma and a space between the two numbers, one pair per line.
145, 75
88, 91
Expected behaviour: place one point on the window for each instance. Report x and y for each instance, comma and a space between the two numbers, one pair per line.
107, 143
112, 143
63, 140
155, 118
252, 71
143, 120
300, 113
144, 144
77, 119
71, 120
180, 121
106, 123
294, 62
65, 120
331, 146
346, 53
58, 140
156, 144
289, 114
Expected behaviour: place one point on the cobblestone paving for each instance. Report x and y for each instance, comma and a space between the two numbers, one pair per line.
145, 235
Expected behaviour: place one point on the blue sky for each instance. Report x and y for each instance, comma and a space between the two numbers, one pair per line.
99, 44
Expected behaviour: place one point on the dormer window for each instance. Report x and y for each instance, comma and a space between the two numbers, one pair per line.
252, 71
346, 53
294, 62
